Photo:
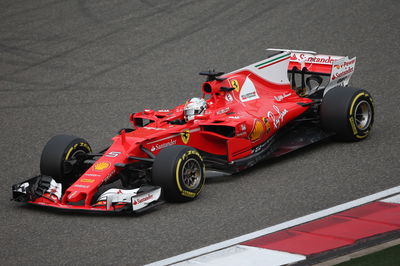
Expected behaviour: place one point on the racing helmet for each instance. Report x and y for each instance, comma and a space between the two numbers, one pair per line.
195, 106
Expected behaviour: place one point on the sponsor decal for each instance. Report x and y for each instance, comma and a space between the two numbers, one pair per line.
185, 135
248, 96
228, 97
92, 174
343, 73
113, 154
223, 111
326, 60
293, 57
81, 186
281, 97
100, 166
163, 111
277, 120
140, 200
345, 64
309, 58
235, 85
267, 124
163, 145
248, 91
257, 149
258, 130
350, 62
272, 61
109, 176
234, 117
72, 194
261, 146
87, 180
243, 127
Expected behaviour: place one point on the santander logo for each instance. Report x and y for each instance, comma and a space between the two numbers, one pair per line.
163, 145
341, 74
148, 197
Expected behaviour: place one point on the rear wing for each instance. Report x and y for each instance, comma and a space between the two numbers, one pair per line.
339, 69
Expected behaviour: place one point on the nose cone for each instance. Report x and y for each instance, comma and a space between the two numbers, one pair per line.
76, 196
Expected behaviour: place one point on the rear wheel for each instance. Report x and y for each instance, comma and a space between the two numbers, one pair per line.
62, 158
179, 171
348, 112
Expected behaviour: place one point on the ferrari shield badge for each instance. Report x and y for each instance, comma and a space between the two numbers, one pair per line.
185, 135
235, 84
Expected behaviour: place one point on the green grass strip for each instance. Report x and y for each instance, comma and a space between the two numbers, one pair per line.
386, 257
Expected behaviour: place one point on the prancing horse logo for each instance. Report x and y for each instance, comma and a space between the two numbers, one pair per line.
185, 135
235, 85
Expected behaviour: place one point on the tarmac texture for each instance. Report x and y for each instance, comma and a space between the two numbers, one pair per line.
80, 67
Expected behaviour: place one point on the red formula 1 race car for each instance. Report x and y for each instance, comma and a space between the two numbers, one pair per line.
287, 101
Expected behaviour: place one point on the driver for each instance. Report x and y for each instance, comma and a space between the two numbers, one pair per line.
195, 106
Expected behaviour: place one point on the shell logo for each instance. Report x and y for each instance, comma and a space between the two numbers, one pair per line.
267, 124
101, 166
257, 131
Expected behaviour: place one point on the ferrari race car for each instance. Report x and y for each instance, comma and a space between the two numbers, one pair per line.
267, 109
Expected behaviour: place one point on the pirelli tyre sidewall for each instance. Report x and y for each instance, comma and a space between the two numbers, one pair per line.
348, 112
57, 151
179, 170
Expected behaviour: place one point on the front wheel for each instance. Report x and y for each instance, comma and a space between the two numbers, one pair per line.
62, 158
179, 170
348, 112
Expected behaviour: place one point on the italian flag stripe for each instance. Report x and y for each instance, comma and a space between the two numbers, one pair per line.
272, 61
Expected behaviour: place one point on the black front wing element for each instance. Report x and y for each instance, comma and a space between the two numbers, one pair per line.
31, 189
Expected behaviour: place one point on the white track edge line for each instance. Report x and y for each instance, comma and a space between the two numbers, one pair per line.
278, 227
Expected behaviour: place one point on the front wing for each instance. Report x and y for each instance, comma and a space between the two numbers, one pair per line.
45, 191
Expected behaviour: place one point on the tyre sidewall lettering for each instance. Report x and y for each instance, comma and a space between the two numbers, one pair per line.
360, 134
353, 125
78, 146
184, 191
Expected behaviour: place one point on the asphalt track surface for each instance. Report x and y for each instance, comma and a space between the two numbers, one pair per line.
80, 67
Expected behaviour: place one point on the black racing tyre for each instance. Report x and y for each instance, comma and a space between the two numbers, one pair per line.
348, 112
57, 151
179, 170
